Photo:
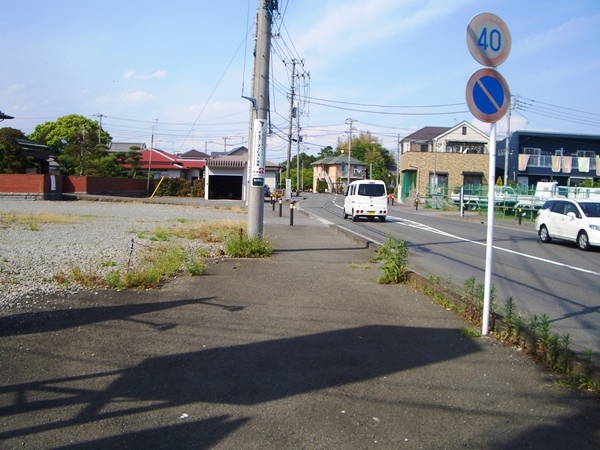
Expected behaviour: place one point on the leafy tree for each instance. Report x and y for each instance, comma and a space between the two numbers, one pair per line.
306, 178
104, 166
12, 159
306, 171
326, 152
133, 158
368, 149
76, 141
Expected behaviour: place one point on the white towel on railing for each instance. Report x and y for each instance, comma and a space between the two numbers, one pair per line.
523, 160
583, 164
556, 163
567, 162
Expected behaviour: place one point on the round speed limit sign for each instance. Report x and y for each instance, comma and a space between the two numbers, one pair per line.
488, 39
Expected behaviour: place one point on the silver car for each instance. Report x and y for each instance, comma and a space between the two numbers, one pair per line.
571, 220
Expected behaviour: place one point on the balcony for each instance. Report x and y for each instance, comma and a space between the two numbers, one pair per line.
545, 162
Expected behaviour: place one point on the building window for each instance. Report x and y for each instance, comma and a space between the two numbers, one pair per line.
464, 131
586, 154
535, 155
424, 147
438, 179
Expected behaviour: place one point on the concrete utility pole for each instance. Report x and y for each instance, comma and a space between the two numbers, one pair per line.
398, 168
298, 152
260, 101
225, 144
99, 127
289, 149
349, 122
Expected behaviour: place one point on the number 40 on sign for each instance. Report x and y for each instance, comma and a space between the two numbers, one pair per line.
488, 39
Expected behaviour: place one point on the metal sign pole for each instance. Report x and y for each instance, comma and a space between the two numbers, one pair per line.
488, 98
490, 233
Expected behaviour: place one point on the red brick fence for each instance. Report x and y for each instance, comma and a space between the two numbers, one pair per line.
52, 187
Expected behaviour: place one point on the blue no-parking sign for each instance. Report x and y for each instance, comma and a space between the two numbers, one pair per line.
488, 95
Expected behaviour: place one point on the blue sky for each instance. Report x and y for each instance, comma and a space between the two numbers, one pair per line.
393, 66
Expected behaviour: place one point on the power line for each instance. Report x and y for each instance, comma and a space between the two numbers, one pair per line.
387, 106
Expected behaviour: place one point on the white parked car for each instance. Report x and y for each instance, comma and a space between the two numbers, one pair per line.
572, 220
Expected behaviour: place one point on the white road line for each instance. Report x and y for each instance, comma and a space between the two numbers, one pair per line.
412, 224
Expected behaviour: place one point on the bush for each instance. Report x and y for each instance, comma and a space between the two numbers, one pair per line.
245, 247
197, 189
321, 186
173, 187
180, 187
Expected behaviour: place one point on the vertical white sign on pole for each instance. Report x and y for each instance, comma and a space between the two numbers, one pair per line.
258, 153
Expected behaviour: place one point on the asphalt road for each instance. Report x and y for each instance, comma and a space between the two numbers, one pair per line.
556, 279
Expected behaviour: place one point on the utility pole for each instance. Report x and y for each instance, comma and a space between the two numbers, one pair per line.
225, 144
298, 140
398, 169
349, 122
288, 182
260, 112
100, 127
150, 158
82, 152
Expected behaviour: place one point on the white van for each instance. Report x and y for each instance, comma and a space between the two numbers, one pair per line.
366, 198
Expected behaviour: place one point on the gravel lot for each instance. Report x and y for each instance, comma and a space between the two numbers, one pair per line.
98, 239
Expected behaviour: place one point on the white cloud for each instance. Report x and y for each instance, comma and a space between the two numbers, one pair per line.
157, 74
128, 74
134, 98
344, 27
567, 31
13, 88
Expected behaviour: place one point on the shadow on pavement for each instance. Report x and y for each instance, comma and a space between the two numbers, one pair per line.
197, 435
47, 321
245, 374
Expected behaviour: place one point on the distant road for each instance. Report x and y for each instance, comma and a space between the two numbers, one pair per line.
554, 279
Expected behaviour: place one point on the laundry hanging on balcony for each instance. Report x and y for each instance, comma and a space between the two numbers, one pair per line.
567, 162
583, 164
556, 163
523, 160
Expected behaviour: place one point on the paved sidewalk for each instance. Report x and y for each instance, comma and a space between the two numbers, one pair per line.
301, 350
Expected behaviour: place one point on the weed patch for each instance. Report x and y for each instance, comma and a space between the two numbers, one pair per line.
245, 247
393, 254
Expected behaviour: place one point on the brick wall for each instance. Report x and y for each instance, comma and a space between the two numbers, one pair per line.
51, 186
107, 186
454, 164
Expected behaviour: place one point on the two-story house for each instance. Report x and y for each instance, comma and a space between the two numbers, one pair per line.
338, 172
443, 157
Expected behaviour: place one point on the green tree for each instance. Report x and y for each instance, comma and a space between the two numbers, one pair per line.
367, 148
133, 158
306, 171
77, 142
12, 159
327, 152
